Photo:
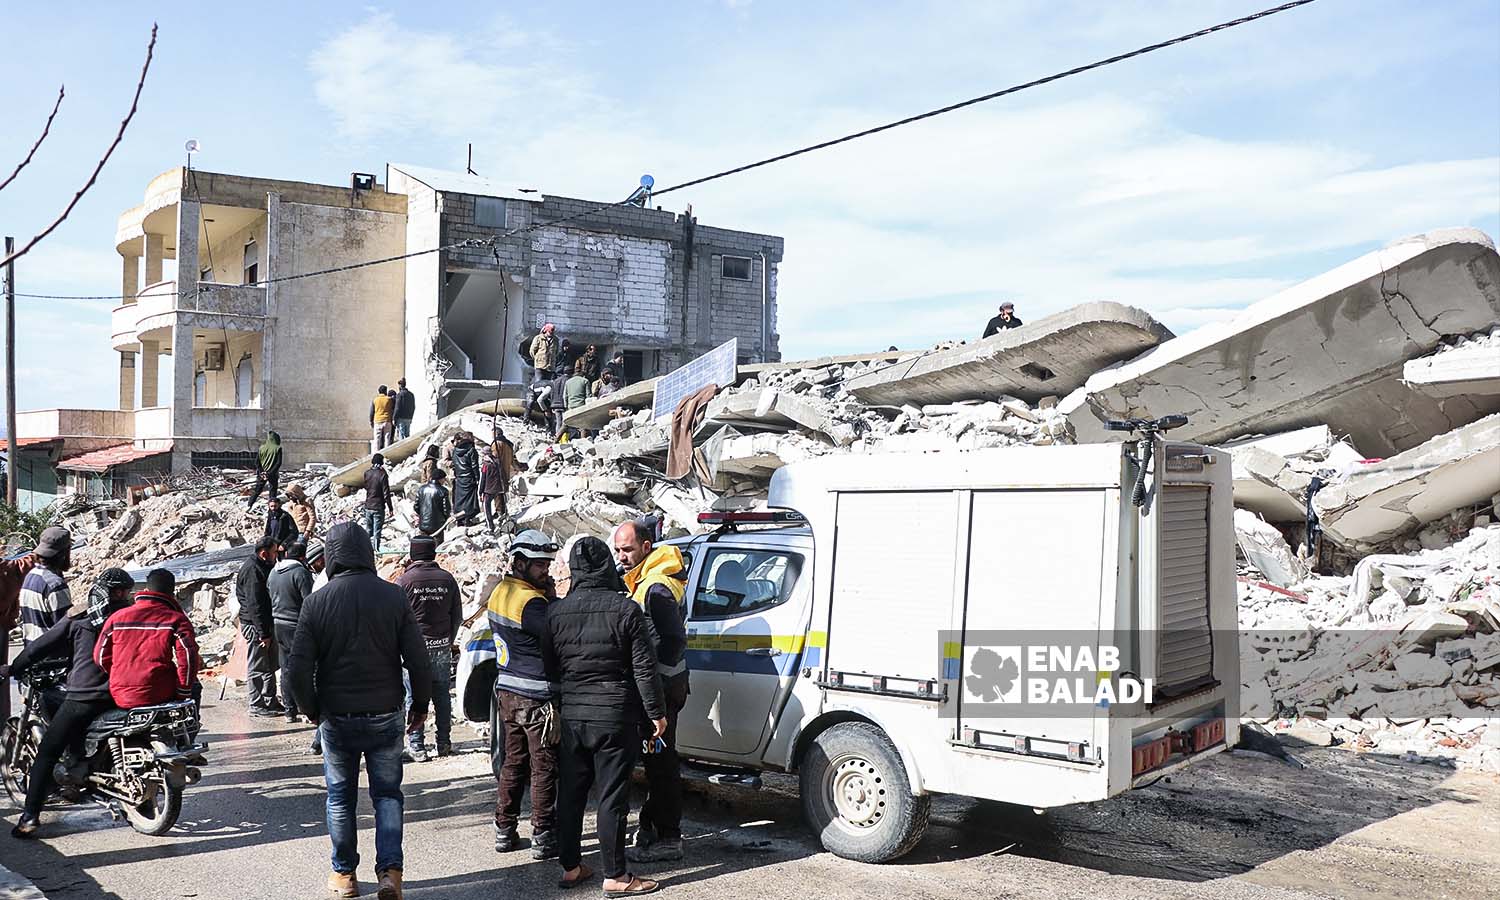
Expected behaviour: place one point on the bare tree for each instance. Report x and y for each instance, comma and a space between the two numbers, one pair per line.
93, 176
46, 129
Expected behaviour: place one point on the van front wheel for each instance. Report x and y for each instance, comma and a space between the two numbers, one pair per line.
856, 795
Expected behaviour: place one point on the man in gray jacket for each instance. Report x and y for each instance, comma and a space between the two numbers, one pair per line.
289, 583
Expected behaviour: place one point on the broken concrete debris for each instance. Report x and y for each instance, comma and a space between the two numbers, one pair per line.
1385, 636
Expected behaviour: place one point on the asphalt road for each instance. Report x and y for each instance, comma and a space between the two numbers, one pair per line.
1235, 827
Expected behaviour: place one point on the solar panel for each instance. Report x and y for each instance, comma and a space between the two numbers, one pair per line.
717, 366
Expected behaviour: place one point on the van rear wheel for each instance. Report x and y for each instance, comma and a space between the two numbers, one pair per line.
856, 795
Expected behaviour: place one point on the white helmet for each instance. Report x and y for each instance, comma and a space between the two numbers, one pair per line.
532, 544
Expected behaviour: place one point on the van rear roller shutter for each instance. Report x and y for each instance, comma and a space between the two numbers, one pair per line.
1185, 643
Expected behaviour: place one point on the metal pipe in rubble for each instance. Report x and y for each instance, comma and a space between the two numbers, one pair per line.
765, 295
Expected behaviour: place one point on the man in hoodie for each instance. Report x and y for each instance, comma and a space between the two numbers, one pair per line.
406, 410
355, 637
544, 351
148, 649
378, 502
438, 605
86, 690
433, 506
289, 584
304, 513
465, 460
257, 625
517, 611
44, 594
599, 652
280, 526
656, 579
267, 467
382, 417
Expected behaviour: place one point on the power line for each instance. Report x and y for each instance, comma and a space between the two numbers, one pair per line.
490, 242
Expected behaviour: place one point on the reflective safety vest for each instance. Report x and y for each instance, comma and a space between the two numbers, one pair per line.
517, 613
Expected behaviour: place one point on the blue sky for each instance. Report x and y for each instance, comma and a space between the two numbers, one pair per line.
1190, 182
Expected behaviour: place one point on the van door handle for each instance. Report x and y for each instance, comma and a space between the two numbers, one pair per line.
763, 651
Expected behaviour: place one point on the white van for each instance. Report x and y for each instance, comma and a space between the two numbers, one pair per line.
859, 632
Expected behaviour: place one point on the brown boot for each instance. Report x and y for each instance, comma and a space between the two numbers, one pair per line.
342, 884
390, 884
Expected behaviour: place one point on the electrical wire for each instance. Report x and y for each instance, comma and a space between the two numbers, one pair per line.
780, 157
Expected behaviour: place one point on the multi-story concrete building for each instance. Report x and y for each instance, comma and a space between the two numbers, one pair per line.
212, 268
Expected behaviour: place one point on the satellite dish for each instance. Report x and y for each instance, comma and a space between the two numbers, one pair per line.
192, 145
648, 182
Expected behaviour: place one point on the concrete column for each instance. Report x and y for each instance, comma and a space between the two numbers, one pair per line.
130, 279
188, 213
182, 380
127, 379
150, 356
155, 245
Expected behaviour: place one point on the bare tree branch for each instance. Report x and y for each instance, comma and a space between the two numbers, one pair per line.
134, 102
45, 129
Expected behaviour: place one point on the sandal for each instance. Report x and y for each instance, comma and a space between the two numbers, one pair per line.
584, 874
636, 887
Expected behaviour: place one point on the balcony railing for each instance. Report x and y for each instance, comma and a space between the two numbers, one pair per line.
245, 301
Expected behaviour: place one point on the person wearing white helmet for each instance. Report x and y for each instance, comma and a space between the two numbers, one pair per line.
517, 612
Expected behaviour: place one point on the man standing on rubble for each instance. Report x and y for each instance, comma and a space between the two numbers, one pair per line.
657, 579
44, 597
616, 367
267, 467
382, 418
280, 526
289, 584
544, 351
354, 638
1005, 319
517, 612
406, 410
257, 624
378, 502
464, 458
304, 513
437, 604
496, 468
433, 507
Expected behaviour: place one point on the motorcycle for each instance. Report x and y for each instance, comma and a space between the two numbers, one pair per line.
138, 761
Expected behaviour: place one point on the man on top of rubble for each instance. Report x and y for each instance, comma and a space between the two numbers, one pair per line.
257, 624
382, 418
433, 506
464, 457
437, 603
289, 584
267, 467
44, 597
616, 367
544, 351
496, 468
517, 611
406, 410
1005, 319
378, 503
303, 512
656, 580
280, 526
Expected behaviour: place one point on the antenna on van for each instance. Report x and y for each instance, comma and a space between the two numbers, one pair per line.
1149, 429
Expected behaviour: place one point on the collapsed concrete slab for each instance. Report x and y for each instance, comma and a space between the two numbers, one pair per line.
1385, 500
1327, 351
1050, 356
1266, 484
1472, 367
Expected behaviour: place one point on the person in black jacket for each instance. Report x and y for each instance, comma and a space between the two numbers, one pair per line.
406, 410
433, 507
280, 526
356, 635
1005, 319
289, 584
465, 459
438, 604
87, 687
257, 624
378, 502
598, 648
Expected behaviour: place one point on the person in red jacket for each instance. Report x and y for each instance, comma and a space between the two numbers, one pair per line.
148, 649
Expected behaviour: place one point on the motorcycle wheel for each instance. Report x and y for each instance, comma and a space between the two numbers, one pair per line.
159, 812
16, 777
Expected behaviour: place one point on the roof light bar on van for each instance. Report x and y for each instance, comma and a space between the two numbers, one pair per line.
752, 517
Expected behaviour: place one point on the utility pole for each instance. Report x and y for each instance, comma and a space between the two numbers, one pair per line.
10, 373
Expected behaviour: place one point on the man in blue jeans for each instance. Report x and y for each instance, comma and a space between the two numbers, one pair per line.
378, 502
355, 636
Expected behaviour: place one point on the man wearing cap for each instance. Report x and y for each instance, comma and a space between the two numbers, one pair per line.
657, 580
44, 591
438, 606
1005, 319
406, 410
544, 352
517, 611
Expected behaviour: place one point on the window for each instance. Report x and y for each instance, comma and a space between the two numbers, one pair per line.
252, 262
736, 267
489, 212
742, 582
